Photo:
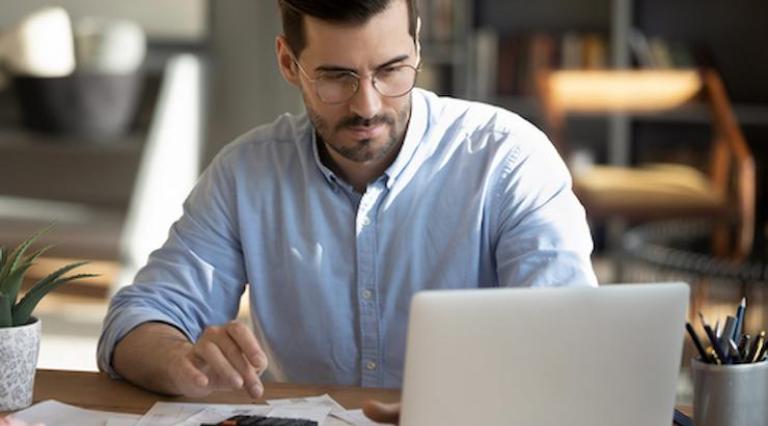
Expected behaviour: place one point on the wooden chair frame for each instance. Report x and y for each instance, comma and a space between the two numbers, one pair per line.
731, 157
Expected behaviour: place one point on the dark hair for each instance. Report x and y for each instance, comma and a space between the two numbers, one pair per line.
353, 12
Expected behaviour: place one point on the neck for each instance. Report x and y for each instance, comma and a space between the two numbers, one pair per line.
357, 174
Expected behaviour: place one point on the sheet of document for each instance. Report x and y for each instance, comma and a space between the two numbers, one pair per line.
183, 413
322, 409
357, 418
117, 421
57, 413
314, 412
340, 416
321, 400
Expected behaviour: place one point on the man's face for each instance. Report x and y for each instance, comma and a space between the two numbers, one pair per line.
369, 126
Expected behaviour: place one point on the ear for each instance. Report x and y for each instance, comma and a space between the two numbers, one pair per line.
285, 63
417, 36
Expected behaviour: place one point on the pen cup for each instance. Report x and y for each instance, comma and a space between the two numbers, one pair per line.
730, 395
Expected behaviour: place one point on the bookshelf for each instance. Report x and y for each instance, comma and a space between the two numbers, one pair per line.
447, 41
726, 36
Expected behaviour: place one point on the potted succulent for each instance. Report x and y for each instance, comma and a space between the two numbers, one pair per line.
19, 330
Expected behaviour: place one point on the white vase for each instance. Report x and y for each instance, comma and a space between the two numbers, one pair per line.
19, 347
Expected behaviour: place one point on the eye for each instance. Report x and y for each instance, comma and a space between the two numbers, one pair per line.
389, 72
337, 76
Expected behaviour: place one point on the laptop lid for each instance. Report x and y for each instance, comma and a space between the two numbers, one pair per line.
547, 356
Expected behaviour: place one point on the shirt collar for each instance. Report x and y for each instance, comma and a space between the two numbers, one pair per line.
417, 125
328, 174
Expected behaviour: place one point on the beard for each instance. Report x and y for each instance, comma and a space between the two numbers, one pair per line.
362, 150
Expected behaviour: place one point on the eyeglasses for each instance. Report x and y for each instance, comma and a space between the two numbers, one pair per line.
335, 87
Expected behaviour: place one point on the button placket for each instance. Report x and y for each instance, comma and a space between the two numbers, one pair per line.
366, 277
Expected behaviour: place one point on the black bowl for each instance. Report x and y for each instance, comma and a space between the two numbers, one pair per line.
82, 104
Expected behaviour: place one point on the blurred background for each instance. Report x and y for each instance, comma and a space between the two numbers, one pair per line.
109, 110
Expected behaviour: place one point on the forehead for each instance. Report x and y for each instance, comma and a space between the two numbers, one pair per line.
378, 40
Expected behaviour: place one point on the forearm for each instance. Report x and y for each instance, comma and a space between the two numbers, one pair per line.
145, 356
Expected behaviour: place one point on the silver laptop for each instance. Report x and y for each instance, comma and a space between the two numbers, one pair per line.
545, 357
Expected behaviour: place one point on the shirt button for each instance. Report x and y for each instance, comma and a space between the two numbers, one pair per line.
366, 221
367, 294
370, 365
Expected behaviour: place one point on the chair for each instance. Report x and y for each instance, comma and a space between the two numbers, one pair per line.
725, 193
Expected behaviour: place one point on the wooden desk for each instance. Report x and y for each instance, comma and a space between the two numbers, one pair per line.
99, 392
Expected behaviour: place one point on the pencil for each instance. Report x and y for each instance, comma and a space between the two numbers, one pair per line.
697, 342
713, 340
757, 348
761, 356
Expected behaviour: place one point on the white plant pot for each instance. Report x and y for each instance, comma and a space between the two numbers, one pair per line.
19, 347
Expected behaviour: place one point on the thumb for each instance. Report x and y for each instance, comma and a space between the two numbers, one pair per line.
382, 412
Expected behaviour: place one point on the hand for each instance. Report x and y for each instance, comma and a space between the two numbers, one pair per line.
10, 421
226, 357
382, 412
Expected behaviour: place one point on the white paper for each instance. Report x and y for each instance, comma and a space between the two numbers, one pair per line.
304, 411
323, 400
356, 418
167, 415
185, 413
119, 421
55, 413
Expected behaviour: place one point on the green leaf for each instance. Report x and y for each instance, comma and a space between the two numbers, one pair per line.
23, 310
12, 284
6, 318
53, 276
18, 252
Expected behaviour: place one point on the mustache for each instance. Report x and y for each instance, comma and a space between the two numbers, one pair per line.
357, 121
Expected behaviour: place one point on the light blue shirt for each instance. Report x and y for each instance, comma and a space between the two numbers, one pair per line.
477, 197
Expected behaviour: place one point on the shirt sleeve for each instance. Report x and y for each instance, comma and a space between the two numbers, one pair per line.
195, 279
542, 234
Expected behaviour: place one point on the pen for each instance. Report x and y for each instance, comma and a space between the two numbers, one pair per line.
713, 355
757, 348
713, 339
697, 342
728, 330
734, 351
744, 347
761, 356
740, 313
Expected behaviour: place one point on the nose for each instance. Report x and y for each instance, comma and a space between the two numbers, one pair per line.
367, 101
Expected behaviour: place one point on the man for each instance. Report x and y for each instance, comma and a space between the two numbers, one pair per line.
337, 217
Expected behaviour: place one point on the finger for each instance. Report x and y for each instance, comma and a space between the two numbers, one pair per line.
189, 377
253, 357
193, 373
211, 353
382, 412
244, 338
236, 358
253, 383
248, 372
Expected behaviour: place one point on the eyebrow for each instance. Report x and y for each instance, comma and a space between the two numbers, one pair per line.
337, 68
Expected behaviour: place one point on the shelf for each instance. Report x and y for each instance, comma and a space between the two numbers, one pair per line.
444, 53
14, 138
526, 106
746, 114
